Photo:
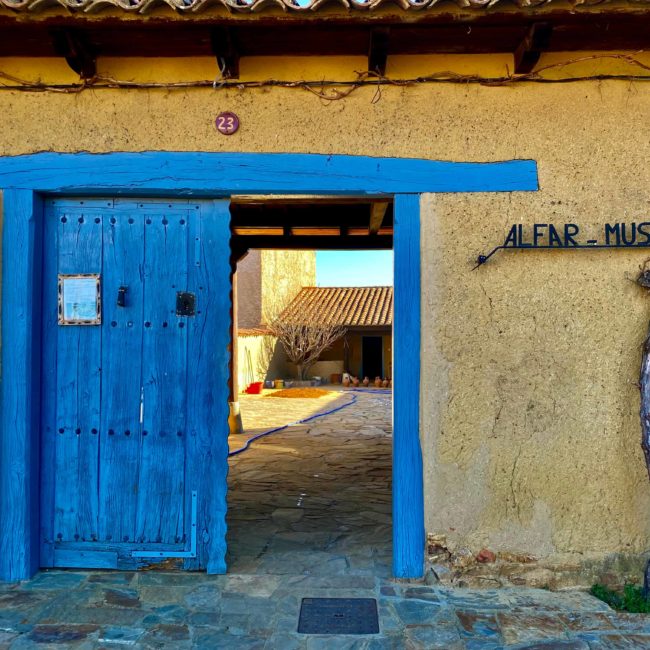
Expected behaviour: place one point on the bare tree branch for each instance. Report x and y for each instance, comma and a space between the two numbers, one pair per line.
305, 341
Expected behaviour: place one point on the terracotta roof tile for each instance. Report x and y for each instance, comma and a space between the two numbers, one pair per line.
349, 306
254, 6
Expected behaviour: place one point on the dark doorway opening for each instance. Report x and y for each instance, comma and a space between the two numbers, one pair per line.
372, 356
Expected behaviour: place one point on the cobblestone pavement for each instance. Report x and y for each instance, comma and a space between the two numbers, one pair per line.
338, 547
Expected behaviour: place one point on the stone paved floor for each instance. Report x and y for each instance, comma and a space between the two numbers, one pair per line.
338, 547
314, 499
94, 610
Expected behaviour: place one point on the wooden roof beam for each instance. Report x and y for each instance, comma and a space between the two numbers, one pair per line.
378, 50
78, 53
309, 242
226, 51
536, 40
377, 216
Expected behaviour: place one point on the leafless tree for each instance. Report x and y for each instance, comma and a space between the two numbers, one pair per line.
304, 341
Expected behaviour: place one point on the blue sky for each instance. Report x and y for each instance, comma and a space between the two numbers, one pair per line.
354, 268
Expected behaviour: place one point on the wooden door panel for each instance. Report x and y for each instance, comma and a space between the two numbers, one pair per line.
164, 375
78, 381
135, 405
121, 375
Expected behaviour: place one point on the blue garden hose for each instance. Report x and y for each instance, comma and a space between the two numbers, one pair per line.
305, 420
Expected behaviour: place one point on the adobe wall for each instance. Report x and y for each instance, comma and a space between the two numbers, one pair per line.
249, 290
529, 409
283, 275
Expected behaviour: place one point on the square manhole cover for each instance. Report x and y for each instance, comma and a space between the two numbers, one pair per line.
338, 616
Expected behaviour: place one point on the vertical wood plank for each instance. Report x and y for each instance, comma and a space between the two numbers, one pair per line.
209, 336
408, 499
78, 382
48, 386
164, 369
19, 437
121, 375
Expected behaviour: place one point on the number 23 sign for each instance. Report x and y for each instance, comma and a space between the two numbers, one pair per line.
227, 123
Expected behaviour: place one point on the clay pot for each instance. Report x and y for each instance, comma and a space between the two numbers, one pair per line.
384, 383
346, 381
355, 381
377, 382
366, 382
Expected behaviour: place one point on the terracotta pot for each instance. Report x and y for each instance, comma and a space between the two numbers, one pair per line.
346, 381
384, 383
355, 381
377, 382
366, 382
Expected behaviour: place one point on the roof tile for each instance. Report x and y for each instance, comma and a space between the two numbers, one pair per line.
254, 6
348, 306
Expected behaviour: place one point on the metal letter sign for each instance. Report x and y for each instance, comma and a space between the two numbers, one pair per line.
567, 236
79, 299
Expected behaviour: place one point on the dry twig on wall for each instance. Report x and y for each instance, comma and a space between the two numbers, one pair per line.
333, 90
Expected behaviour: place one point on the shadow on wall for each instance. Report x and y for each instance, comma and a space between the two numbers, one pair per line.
261, 358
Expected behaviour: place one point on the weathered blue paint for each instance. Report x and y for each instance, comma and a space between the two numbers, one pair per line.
195, 175
125, 468
191, 553
408, 498
19, 437
74, 558
207, 405
212, 174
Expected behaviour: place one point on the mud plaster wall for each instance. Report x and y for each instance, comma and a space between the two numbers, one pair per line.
249, 290
260, 358
530, 431
283, 275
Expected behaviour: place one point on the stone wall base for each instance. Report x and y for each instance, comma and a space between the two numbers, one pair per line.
464, 568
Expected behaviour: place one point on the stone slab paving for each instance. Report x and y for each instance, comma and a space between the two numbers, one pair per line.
315, 498
309, 517
93, 610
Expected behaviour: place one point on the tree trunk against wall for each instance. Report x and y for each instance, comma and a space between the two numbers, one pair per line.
643, 280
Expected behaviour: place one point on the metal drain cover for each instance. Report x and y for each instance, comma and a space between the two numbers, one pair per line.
338, 616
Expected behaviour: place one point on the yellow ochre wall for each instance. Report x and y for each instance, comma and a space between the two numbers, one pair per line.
529, 408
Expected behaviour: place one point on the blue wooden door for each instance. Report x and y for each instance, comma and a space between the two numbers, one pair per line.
134, 413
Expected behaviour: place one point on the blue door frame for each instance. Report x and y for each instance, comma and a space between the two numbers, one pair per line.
26, 180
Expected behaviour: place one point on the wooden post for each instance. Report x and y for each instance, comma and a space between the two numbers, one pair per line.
408, 498
21, 355
234, 418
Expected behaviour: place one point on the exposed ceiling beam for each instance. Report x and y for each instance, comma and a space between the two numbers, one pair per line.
536, 40
377, 215
328, 242
226, 51
78, 53
315, 231
378, 50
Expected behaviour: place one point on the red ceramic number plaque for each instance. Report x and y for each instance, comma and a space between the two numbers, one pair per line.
227, 123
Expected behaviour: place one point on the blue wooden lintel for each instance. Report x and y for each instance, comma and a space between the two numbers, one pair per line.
223, 174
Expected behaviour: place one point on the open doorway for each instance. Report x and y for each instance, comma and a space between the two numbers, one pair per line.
314, 497
372, 352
